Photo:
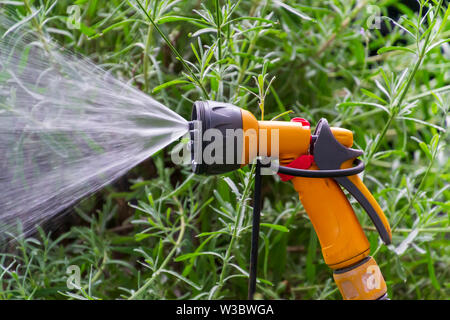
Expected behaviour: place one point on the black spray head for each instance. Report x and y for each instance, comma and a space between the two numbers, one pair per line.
215, 144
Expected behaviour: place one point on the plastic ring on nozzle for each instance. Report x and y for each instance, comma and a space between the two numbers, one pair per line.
323, 173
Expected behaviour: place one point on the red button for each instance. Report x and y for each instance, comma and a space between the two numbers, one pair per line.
304, 122
302, 162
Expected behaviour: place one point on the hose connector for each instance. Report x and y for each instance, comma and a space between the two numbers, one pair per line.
361, 281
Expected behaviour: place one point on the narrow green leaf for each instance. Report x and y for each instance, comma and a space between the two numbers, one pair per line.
275, 227
310, 257
292, 10
395, 48
431, 271
425, 149
169, 84
196, 254
179, 276
373, 95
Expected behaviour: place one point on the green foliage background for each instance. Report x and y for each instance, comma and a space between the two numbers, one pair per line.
163, 233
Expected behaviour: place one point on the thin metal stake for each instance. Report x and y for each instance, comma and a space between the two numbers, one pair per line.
255, 232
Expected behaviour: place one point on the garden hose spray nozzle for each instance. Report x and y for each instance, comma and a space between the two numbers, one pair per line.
225, 138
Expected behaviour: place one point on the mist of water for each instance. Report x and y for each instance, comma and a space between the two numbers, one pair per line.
67, 127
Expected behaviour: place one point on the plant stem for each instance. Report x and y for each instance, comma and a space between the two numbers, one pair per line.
251, 46
37, 26
380, 138
246, 60
97, 274
395, 110
146, 59
175, 51
422, 181
219, 30
240, 210
144, 287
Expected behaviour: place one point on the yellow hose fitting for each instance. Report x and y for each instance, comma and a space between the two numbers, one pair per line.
362, 281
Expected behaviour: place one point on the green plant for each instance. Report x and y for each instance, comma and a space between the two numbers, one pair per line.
164, 233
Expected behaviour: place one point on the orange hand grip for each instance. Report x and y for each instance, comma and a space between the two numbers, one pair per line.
341, 237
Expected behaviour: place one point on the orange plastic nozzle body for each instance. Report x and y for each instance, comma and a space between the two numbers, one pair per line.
340, 234
281, 139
